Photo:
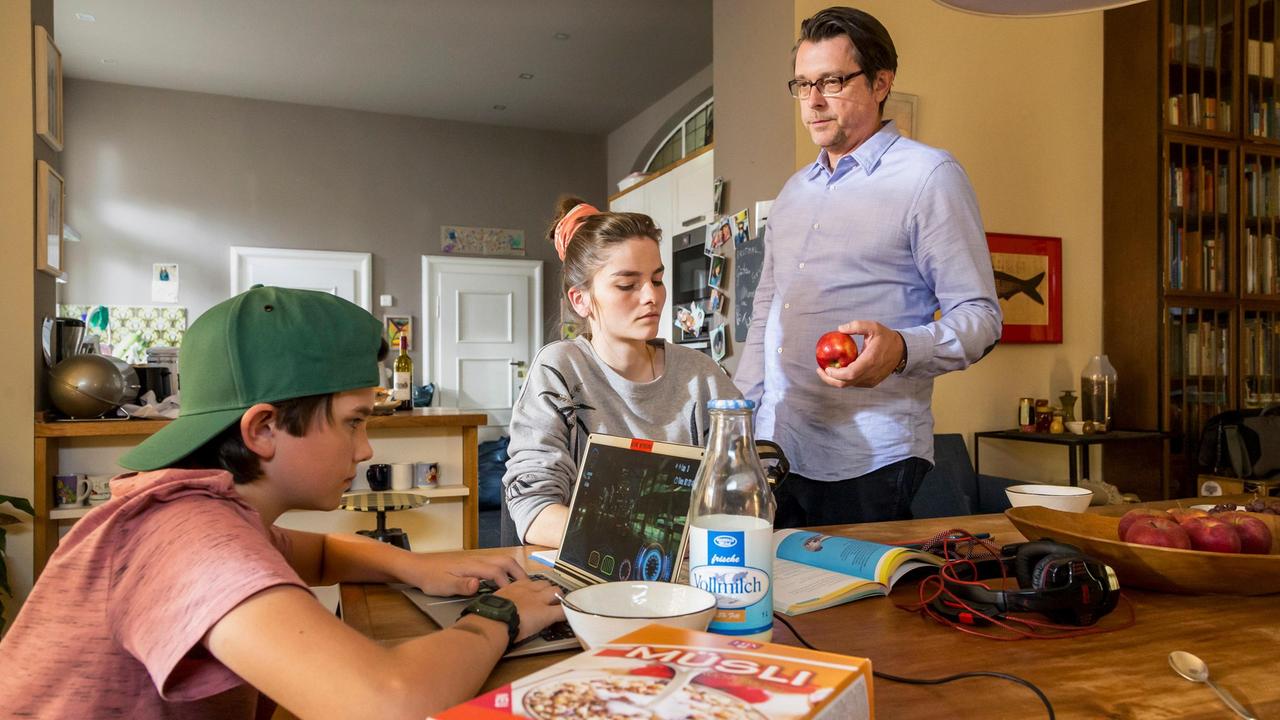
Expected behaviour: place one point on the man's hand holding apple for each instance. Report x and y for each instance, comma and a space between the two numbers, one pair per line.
882, 350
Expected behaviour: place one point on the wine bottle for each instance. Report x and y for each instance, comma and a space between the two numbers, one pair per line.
403, 378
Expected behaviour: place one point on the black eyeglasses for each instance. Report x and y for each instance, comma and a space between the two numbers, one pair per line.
828, 86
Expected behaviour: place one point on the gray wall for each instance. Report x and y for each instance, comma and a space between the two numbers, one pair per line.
755, 117
627, 145
165, 176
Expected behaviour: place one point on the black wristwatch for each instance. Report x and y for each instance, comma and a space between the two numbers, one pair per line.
497, 608
902, 364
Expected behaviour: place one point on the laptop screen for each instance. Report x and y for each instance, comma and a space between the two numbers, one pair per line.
629, 508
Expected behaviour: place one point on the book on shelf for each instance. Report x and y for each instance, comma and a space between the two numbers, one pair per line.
689, 674
812, 571
1250, 262
1194, 266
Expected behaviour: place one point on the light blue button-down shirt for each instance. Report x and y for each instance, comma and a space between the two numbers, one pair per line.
893, 234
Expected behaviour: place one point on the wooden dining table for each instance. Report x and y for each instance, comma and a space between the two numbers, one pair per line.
1124, 674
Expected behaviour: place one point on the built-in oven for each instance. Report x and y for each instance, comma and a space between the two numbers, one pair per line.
689, 264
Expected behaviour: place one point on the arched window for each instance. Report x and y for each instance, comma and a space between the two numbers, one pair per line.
695, 131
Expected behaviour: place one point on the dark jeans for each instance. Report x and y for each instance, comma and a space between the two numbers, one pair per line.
883, 494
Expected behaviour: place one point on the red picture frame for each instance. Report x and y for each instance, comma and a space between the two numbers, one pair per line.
1028, 274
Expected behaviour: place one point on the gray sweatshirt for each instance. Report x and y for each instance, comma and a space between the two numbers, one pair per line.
570, 393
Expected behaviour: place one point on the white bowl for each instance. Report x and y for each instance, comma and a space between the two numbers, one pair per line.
1075, 427
1058, 497
610, 610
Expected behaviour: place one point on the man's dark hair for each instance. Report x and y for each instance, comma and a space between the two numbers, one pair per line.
872, 47
227, 451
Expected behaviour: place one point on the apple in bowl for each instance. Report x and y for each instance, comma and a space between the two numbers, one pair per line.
1255, 536
1134, 516
1212, 535
1158, 531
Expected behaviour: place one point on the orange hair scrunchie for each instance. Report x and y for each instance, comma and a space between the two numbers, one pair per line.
568, 225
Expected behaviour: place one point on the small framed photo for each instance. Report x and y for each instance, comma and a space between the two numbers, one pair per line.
48, 83
1028, 270
717, 343
741, 227
717, 301
398, 325
50, 192
715, 277
718, 235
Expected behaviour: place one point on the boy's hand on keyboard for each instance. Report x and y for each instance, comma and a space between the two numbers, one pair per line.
536, 602
457, 574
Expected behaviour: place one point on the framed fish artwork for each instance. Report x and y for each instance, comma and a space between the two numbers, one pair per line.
1028, 270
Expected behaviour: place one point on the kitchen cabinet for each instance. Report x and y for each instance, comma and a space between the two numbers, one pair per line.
678, 199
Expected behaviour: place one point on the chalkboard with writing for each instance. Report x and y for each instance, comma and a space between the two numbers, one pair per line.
748, 261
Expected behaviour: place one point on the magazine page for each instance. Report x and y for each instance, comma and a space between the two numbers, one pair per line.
847, 556
801, 588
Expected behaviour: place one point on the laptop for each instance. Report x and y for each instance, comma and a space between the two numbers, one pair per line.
626, 522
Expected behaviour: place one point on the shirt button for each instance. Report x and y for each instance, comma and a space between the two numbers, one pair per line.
786, 306
815, 226
801, 266
779, 350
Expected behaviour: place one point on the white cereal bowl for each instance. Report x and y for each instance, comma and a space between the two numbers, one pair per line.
610, 610
1058, 497
1075, 427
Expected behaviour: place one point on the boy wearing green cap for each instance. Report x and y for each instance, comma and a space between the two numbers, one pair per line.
180, 598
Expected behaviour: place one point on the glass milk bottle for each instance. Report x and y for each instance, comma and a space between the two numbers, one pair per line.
1098, 392
731, 526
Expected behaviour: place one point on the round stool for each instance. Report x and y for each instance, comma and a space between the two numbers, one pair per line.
383, 503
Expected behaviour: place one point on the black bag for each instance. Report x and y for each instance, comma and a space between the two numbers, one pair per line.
1245, 441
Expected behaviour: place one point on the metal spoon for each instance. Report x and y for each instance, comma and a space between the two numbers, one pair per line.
571, 606
1193, 668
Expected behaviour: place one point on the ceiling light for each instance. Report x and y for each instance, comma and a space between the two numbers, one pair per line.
499, 107
526, 76
561, 36
86, 17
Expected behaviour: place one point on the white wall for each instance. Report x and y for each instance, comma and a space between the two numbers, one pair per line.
1019, 103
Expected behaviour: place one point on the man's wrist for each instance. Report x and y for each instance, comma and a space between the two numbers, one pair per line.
902, 364
492, 631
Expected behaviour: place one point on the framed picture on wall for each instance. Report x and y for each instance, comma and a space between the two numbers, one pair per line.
901, 109
48, 82
49, 196
1028, 270
398, 325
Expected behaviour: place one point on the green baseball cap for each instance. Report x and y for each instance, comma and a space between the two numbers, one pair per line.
265, 345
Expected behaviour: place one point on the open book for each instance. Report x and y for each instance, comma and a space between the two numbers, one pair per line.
813, 571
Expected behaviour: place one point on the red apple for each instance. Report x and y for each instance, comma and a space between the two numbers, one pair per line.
836, 350
1158, 531
1135, 515
1255, 536
1212, 535
1181, 515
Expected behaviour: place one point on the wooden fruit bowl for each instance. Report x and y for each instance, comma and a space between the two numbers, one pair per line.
1191, 572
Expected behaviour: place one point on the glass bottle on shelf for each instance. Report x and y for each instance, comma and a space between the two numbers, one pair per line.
1068, 402
1098, 392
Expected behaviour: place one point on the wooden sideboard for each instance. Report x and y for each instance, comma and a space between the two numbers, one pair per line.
50, 437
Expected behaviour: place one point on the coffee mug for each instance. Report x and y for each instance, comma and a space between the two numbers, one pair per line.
401, 476
71, 489
426, 474
379, 476
99, 488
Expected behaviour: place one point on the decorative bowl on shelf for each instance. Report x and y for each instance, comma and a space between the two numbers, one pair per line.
1058, 497
1193, 572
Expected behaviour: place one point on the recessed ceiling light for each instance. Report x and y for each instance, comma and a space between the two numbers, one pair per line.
526, 76
561, 36
86, 17
499, 107
108, 61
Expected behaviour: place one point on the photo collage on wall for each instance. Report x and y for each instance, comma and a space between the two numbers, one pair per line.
730, 231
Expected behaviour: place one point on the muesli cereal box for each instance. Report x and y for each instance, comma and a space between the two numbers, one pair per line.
665, 673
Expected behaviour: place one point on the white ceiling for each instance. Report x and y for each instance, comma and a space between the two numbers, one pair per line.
448, 59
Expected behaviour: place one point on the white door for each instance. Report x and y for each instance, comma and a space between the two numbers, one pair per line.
484, 324
345, 274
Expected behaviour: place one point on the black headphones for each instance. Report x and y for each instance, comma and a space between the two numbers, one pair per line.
1054, 579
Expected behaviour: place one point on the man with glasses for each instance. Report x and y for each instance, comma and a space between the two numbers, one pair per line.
872, 239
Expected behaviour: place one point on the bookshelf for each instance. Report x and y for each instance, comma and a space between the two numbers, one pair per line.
1191, 221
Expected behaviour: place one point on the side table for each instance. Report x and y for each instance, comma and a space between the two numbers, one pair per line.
382, 503
1077, 447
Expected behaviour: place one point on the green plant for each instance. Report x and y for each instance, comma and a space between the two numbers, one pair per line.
6, 519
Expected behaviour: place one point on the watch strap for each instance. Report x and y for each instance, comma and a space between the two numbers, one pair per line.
902, 364
507, 615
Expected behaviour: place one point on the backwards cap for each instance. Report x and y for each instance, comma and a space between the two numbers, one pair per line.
265, 345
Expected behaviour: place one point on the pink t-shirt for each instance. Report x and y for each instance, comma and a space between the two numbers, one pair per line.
113, 627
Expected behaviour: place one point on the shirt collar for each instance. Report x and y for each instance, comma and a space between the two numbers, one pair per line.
866, 156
